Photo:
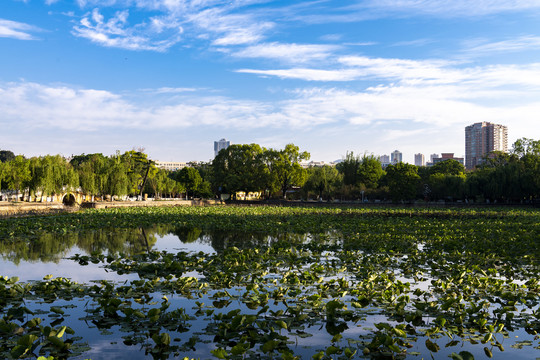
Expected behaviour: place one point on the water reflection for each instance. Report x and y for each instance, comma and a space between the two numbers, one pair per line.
31, 259
53, 248
49, 247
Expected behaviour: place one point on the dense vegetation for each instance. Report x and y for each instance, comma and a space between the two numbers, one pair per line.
367, 283
502, 177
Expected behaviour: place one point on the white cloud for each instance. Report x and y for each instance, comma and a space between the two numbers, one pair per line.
292, 53
307, 74
483, 47
16, 30
169, 90
228, 28
116, 32
479, 79
402, 69
223, 24
324, 12
392, 113
449, 8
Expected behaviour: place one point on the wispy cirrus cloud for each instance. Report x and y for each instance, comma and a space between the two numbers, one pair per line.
17, 30
307, 74
415, 72
448, 8
222, 24
290, 53
157, 34
483, 47
362, 10
228, 28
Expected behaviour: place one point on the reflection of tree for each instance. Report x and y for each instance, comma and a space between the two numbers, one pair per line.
220, 240
47, 248
187, 235
50, 247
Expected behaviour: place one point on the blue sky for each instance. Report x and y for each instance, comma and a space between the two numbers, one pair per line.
330, 76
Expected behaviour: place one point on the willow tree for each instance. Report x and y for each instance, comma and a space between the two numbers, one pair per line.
17, 174
323, 180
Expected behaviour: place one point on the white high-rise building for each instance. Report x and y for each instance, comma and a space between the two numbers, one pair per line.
220, 145
396, 157
419, 160
385, 160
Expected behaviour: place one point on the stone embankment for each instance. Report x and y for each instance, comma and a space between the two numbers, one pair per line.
9, 209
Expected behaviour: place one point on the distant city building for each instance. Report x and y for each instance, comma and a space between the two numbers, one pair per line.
385, 160
306, 164
443, 157
220, 145
433, 156
483, 138
170, 165
396, 157
419, 160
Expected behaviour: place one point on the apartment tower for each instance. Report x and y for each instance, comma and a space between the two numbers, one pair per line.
481, 139
219, 145
396, 157
419, 160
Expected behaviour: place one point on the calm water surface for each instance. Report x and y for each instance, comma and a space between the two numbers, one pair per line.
50, 255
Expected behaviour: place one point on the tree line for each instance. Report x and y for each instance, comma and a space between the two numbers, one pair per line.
277, 173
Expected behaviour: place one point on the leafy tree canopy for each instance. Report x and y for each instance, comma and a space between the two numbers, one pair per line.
6, 155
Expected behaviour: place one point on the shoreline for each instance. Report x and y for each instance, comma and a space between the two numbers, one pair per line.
16, 209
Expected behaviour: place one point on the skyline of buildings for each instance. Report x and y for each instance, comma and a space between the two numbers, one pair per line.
480, 139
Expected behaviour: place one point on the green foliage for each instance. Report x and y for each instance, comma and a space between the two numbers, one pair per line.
513, 177
189, 178
285, 168
6, 155
448, 167
403, 180
241, 168
525, 146
17, 173
349, 167
323, 180
360, 174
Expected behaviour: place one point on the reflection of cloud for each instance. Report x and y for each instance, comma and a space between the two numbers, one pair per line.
16, 30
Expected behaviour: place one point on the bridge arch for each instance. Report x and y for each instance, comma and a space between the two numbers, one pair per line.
69, 199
